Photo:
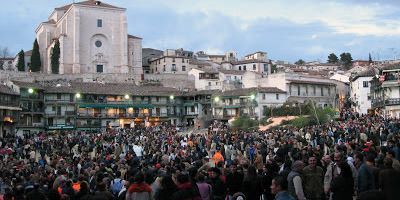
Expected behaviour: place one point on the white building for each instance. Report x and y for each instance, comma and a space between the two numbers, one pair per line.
385, 91
256, 56
247, 101
206, 79
93, 39
302, 88
360, 91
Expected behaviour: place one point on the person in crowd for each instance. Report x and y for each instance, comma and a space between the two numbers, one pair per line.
279, 188
366, 174
389, 180
295, 182
342, 186
185, 188
139, 190
218, 186
313, 176
105, 156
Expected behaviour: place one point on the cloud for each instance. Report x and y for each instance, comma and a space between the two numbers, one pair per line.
314, 36
287, 30
342, 17
352, 43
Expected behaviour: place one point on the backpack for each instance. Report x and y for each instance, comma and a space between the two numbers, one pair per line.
116, 186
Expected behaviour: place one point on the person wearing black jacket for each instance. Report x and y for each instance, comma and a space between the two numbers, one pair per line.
185, 189
168, 188
252, 184
218, 186
234, 180
342, 186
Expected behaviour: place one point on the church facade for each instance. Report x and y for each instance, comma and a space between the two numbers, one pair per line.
93, 38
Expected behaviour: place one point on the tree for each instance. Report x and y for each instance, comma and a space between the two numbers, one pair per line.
300, 62
55, 58
370, 59
36, 63
4, 53
274, 69
346, 60
244, 123
21, 61
332, 58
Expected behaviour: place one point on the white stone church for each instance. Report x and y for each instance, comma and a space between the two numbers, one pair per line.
93, 39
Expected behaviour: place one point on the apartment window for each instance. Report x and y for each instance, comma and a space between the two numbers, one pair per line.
254, 67
265, 67
173, 59
306, 90
277, 96
329, 91
314, 90
183, 68
99, 68
365, 84
157, 99
263, 96
298, 90
240, 67
322, 91
216, 83
209, 83
235, 77
99, 23
159, 61
173, 67
164, 68
192, 109
58, 96
244, 68
183, 60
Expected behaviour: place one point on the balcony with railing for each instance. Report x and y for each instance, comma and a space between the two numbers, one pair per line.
376, 103
111, 116
95, 124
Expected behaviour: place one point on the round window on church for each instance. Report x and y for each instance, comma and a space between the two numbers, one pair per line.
98, 43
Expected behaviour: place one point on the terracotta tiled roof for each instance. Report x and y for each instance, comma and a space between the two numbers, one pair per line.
34, 85
88, 3
134, 37
28, 53
202, 92
310, 82
50, 21
241, 62
255, 53
370, 72
7, 90
249, 91
234, 72
101, 88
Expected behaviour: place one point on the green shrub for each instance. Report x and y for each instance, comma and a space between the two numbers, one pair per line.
244, 123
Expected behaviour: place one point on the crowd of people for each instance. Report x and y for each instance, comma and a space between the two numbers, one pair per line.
355, 156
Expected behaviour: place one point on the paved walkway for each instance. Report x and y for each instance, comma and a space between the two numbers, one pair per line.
276, 121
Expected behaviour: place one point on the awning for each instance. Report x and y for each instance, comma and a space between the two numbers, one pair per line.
237, 106
116, 106
188, 104
59, 127
10, 108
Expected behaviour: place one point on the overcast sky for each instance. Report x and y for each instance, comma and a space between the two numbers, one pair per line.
286, 29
